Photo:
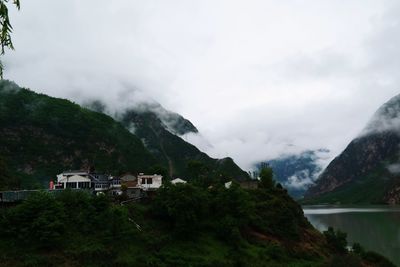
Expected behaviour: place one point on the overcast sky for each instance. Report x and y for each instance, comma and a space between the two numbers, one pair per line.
258, 78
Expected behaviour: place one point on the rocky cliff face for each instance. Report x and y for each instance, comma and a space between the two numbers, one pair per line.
362, 172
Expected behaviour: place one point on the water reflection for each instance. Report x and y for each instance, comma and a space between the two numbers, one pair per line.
376, 228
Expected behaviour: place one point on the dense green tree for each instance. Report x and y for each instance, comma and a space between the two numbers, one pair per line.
267, 178
184, 225
159, 169
7, 180
231, 210
37, 222
182, 205
196, 169
276, 214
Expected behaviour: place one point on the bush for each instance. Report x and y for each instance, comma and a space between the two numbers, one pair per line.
267, 178
277, 214
183, 206
337, 240
37, 222
231, 211
85, 228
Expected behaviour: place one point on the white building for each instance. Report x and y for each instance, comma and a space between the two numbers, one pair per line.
102, 182
74, 179
83, 180
149, 182
178, 181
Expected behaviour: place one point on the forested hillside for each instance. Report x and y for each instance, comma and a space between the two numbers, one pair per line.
41, 136
184, 225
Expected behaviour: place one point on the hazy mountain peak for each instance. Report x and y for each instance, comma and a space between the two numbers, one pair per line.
171, 121
7, 86
367, 170
386, 118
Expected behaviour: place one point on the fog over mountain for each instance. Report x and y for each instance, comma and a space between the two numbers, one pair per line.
258, 79
299, 171
386, 118
367, 171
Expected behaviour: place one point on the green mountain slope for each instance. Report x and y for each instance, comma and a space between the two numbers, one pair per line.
172, 150
159, 130
42, 136
367, 170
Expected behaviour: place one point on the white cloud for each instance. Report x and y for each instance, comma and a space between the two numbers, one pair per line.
257, 78
300, 180
387, 118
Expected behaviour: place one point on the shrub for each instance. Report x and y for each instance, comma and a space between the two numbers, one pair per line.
337, 240
267, 180
183, 206
37, 222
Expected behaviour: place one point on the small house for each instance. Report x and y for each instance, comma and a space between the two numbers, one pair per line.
130, 184
129, 180
178, 181
149, 182
74, 180
83, 180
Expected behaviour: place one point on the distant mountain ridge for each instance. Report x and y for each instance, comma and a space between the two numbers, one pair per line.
365, 172
297, 172
171, 121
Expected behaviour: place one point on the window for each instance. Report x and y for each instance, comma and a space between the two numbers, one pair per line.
71, 185
83, 185
143, 180
149, 180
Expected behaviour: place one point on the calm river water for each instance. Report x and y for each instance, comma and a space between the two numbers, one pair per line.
376, 228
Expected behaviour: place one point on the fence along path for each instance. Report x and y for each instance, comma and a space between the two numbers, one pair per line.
19, 195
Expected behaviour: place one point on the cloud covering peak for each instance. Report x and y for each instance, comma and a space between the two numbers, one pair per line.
257, 78
386, 118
